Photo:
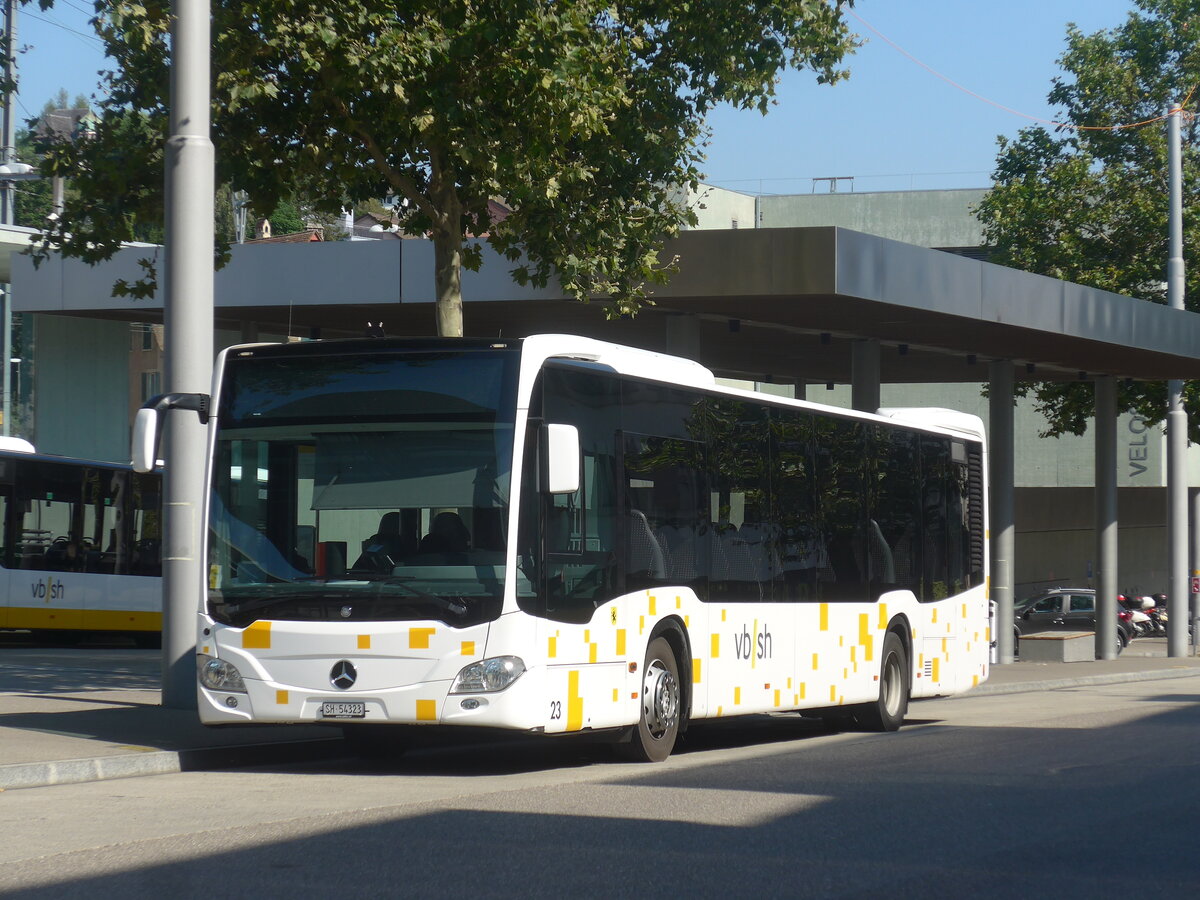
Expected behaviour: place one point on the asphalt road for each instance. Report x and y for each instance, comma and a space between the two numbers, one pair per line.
1090, 792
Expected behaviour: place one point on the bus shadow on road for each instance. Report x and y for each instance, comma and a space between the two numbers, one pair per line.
439, 754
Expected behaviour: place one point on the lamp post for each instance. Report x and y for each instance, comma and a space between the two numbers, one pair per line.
9, 172
1178, 591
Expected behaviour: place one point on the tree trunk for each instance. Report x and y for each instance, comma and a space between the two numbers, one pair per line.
447, 246
447, 266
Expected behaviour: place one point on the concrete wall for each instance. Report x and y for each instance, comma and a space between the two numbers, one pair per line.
1056, 543
720, 208
925, 218
82, 388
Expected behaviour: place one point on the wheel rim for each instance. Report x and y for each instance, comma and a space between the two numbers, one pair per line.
893, 685
660, 699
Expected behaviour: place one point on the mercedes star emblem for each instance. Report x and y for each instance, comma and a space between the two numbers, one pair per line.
343, 675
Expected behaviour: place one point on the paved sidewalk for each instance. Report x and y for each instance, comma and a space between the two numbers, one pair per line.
85, 715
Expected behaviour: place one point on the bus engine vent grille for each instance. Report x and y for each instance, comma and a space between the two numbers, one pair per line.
929, 668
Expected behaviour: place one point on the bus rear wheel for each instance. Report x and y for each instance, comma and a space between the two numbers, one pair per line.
887, 713
658, 723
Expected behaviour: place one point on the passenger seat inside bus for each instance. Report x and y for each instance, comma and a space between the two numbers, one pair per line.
645, 558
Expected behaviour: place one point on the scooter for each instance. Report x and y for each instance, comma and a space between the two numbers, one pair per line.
1158, 614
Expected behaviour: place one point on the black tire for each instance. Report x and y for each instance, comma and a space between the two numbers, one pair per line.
887, 713
658, 723
376, 742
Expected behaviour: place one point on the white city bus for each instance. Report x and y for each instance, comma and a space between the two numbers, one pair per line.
558, 535
79, 549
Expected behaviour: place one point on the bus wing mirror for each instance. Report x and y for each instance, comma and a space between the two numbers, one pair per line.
145, 440
147, 425
560, 456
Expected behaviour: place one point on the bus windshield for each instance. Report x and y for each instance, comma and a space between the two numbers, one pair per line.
362, 487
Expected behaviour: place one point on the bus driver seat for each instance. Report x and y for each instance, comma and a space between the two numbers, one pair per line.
447, 534
387, 546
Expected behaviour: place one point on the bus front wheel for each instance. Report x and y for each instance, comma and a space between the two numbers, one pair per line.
887, 713
661, 699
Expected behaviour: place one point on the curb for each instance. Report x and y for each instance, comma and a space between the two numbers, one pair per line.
165, 762
1022, 687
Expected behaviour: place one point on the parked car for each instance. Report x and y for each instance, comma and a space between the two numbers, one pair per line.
1062, 609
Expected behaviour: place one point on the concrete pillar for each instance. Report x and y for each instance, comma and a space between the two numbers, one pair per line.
1195, 570
864, 375
683, 335
1106, 517
1001, 469
187, 344
1178, 590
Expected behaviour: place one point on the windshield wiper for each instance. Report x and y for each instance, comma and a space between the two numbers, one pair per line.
446, 603
272, 600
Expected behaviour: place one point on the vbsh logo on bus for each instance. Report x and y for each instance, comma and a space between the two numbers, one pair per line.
757, 645
49, 589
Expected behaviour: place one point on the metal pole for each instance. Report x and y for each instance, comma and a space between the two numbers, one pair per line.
1106, 517
188, 341
9, 149
1195, 598
1002, 471
6, 312
6, 204
1177, 488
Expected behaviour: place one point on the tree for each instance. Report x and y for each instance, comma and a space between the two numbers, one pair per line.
34, 200
584, 117
1088, 202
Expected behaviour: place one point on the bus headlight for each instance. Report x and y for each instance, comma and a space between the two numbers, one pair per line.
219, 675
493, 674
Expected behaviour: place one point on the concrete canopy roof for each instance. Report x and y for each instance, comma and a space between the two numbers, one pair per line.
13, 240
769, 304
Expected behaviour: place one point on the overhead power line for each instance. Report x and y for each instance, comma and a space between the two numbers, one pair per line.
1009, 109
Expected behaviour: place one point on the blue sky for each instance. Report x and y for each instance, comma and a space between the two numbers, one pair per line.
892, 126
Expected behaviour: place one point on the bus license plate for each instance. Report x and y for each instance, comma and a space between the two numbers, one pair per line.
343, 710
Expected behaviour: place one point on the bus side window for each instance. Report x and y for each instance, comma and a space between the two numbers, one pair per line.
579, 530
5, 526
841, 507
51, 517
804, 559
145, 558
894, 504
744, 540
666, 488
935, 464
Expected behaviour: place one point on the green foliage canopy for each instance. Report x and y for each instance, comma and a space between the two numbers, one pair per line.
586, 118
1088, 201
